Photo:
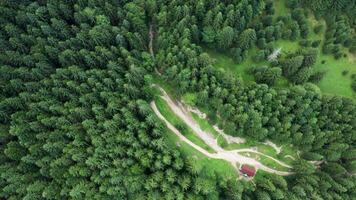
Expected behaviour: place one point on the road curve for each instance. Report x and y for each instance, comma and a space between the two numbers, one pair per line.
230, 156
257, 152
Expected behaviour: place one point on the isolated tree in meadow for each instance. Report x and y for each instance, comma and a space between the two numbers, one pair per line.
301, 76
266, 74
291, 66
310, 56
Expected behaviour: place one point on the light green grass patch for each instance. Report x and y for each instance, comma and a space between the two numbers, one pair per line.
190, 99
180, 125
227, 64
266, 161
204, 125
280, 8
221, 167
334, 82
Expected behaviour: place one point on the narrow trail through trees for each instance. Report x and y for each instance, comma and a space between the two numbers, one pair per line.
150, 44
231, 156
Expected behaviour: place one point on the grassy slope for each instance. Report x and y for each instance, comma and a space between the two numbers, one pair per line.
200, 161
205, 124
333, 82
266, 161
176, 121
221, 167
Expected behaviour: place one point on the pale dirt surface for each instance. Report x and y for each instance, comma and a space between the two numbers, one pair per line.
150, 45
289, 156
230, 139
257, 152
232, 157
194, 110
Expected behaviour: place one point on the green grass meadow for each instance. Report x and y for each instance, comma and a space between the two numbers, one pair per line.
334, 82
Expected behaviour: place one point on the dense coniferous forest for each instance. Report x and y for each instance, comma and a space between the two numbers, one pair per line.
75, 93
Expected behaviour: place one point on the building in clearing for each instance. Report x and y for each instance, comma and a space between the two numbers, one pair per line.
248, 171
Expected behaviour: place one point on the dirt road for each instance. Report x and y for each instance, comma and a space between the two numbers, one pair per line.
231, 156
150, 44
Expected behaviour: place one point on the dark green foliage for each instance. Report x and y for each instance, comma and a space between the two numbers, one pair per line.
312, 156
247, 38
316, 43
317, 76
353, 85
292, 65
74, 102
345, 72
266, 74
298, 67
318, 28
226, 37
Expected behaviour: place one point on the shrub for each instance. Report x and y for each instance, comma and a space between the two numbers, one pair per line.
264, 74
181, 127
318, 28
353, 85
328, 48
338, 55
316, 43
305, 43
293, 4
287, 34
345, 72
352, 50
259, 57
261, 43
353, 76
317, 76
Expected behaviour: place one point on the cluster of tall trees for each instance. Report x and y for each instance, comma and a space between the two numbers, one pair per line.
340, 18
74, 114
298, 67
323, 126
236, 26
265, 74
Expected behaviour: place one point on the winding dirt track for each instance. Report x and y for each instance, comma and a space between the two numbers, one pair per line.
232, 157
150, 44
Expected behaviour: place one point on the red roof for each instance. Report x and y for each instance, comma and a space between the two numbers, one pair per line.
249, 171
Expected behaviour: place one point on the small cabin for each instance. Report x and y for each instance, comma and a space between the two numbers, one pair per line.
248, 171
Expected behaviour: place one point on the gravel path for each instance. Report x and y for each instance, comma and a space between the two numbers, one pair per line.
230, 139
231, 156
257, 152
150, 44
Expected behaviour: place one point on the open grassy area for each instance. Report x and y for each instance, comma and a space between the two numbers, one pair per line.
221, 167
332, 83
200, 161
266, 161
180, 125
189, 99
227, 64
263, 148
205, 124
280, 8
